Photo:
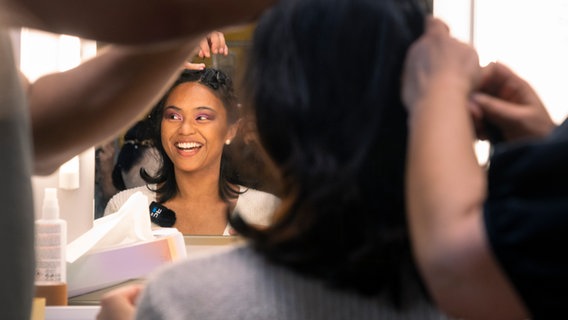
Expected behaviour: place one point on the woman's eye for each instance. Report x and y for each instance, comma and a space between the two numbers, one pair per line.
173, 116
203, 117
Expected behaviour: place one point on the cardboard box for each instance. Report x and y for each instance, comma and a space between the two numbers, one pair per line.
103, 268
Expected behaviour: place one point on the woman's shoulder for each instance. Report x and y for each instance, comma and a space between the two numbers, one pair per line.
256, 206
120, 198
176, 289
244, 284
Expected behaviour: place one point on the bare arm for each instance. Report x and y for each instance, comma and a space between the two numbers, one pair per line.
130, 21
445, 185
73, 110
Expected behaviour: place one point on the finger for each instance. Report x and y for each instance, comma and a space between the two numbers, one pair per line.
130, 292
500, 81
493, 108
133, 292
119, 303
493, 78
215, 42
218, 43
194, 66
516, 88
204, 51
223, 44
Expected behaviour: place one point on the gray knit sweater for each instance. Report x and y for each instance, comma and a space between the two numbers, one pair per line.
240, 284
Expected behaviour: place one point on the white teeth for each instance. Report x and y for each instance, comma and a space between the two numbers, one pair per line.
188, 145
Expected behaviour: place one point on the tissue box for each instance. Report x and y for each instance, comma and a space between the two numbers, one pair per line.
106, 267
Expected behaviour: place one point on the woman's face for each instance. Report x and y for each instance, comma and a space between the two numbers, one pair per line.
194, 128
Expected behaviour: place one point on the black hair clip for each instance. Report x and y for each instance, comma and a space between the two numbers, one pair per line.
161, 215
214, 78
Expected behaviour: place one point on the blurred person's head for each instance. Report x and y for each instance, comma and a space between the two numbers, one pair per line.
324, 87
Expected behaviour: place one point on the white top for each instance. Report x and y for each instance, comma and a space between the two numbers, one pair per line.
254, 206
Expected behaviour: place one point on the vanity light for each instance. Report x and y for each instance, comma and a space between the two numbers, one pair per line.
69, 174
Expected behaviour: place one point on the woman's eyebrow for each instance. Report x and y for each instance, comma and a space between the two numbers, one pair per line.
199, 108
205, 108
173, 107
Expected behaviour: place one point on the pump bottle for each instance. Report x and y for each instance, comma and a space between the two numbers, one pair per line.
51, 241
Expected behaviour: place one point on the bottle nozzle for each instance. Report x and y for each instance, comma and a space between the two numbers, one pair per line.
50, 204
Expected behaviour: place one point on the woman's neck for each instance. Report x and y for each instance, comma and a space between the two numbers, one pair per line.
198, 187
198, 206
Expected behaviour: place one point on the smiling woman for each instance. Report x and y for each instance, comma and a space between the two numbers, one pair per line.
198, 182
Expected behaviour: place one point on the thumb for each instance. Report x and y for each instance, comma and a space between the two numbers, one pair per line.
194, 66
494, 109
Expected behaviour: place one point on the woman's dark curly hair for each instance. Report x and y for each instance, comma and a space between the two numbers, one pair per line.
323, 83
222, 86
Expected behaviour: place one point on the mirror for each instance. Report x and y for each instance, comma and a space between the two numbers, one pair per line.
135, 141
106, 155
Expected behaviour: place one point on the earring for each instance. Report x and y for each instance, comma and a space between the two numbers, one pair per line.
228, 141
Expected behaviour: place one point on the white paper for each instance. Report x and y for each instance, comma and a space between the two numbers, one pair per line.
130, 224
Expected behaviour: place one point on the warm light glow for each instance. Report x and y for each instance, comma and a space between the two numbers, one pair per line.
43, 53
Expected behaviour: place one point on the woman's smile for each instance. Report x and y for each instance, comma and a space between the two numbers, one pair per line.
188, 147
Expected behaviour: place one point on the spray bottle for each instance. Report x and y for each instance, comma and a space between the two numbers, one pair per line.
51, 241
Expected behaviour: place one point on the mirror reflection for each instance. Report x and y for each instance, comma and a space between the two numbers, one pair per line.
194, 156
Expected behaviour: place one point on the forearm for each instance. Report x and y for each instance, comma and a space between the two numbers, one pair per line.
73, 110
131, 21
445, 182
446, 191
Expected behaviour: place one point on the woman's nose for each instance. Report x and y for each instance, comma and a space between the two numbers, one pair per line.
187, 127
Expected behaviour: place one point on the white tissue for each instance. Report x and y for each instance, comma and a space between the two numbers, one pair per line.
130, 224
